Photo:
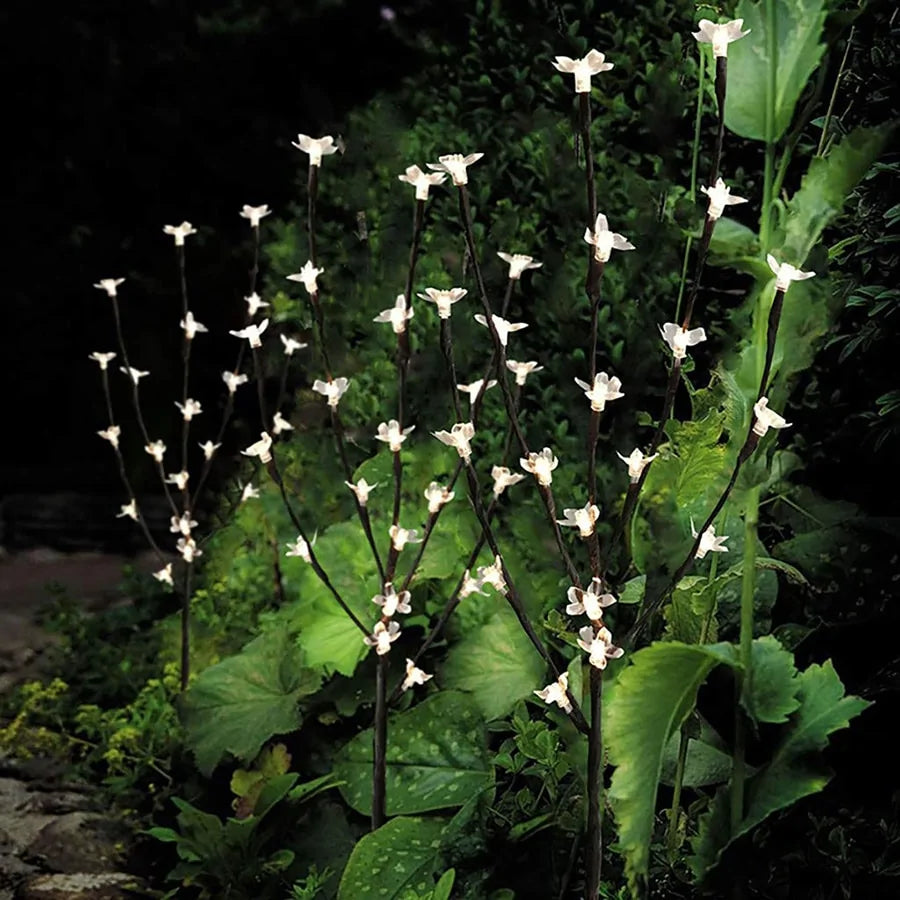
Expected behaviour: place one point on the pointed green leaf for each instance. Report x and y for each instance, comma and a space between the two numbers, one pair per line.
771, 695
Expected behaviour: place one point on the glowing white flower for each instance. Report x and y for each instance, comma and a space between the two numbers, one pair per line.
262, 448
541, 465
316, 147
443, 299
191, 326
437, 495
209, 449
522, 369
290, 345
474, 389
470, 586
679, 339
164, 575
128, 510
503, 479
280, 423
599, 646
253, 333
518, 263
400, 537
459, 436
390, 433
556, 693
719, 197
398, 315
493, 575
636, 462
109, 285
134, 374
254, 304
414, 675
179, 479
255, 213
248, 492
421, 181
102, 359
308, 276
361, 489
180, 232
502, 327
382, 637
592, 64
111, 434
603, 390
332, 390
182, 524
189, 409
590, 602
766, 418
605, 241
709, 542
156, 449
299, 548
233, 381
188, 549
785, 273
391, 602
584, 519
720, 36
455, 165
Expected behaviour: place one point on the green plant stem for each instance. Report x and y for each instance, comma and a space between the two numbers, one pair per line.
837, 83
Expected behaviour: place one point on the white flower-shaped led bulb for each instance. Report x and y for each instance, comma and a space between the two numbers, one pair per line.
493, 575
502, 327
503, 479
308, 277
182, 524
719, 197
189, 409
522, 369
252, 333
400, 537
599, 646
254, 304
179, 479
443, 299
262, 448
188, 549
679, 339
111, 434
785, 273
248, 492
590, 602
470, 586
602, 391
331, 390
280, 423
592, 64
459, 437
391, 602
180, 232
720, 36
422, 182
541, 465
437, 495
605, 241
209, 449
191, 326
636, 462
390, 433
474, 389
709, 542
164, 575
102, 359
316, 147
361, 489
134, 374
299, 548
398, 315
291, 345
518, 263
584, 519
128, 511
382, 637
413, 676
156, 449
233, 381
455, 165
109, 285
255, 213
766, 418
556, 693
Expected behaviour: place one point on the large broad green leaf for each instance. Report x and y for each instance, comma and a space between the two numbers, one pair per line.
793, 771
652, 697
826, 187
398, 860
238, 704
771, 695
708, 761
496, 663
436, 758
798, 50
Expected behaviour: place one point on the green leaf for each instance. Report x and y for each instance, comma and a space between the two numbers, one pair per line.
650, 700
496, 662
237, 705
707, 762
826, 187
798, 32
437, 758
772, 692
399, 857
444, 887
633, 590
791, 774
310, 789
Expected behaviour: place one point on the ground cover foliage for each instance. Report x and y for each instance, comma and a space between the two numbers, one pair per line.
262, 783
